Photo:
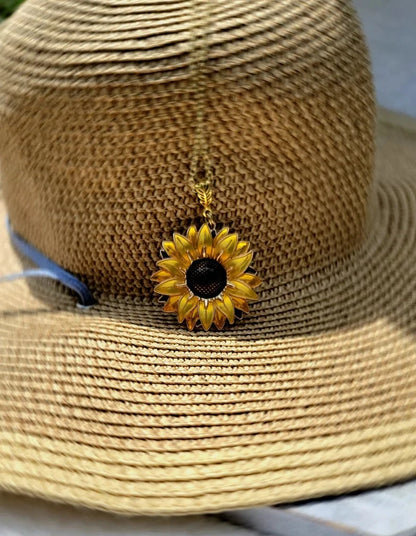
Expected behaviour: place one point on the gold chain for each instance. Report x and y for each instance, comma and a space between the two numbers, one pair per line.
201, 174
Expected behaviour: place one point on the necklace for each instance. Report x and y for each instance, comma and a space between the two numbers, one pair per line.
205, 276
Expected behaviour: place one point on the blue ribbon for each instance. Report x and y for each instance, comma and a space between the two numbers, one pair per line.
47, 268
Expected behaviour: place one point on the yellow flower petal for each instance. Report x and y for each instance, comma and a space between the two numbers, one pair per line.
240, 289
219, 319
161, 275
170, 249
227, 246
171, 305
205, 240
242, 247
237, 265
192, 235
220, 235
182, 244
226, 306
240, 303
192, 318
206, 314
173, 266
186, 305
250, 279
170, 287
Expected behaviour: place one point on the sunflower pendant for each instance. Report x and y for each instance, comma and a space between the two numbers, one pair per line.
205, 277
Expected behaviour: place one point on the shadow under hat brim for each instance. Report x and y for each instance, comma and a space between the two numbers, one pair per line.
120, 408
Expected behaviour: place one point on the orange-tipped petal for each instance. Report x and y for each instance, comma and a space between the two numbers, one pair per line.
237, 265
220, 235
219, 319
186, 305
192, 318
173, 266
206, 314
192, 235
171, 305
241, 290
226, 306
227, 246
242, 247
240, 303
160, 275
170, 287
251, 280
205, 239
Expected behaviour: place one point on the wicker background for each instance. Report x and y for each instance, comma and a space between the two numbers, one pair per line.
97, 128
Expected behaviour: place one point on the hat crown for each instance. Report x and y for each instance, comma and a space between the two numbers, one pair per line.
99, 114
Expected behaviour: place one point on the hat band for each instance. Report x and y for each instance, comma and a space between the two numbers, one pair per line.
46, 268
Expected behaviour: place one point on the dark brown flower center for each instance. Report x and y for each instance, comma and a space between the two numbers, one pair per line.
206, 278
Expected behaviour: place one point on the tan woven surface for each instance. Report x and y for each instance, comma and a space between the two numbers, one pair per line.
120, 408
98, 125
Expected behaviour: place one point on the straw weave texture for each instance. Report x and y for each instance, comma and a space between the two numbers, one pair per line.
120, 408
98, 123
117, 408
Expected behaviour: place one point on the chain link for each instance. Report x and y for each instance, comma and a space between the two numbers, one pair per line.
201, 173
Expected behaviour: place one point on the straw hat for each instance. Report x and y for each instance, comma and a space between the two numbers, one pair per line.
122, 407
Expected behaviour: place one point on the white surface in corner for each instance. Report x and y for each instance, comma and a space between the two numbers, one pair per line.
385, 512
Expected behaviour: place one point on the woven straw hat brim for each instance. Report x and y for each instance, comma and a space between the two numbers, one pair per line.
120, 408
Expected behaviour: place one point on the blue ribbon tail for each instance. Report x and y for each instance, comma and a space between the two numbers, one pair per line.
47, 268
